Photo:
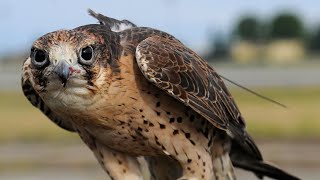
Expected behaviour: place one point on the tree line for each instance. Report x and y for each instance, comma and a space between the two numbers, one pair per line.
255, 30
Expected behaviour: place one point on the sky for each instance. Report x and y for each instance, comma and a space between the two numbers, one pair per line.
23, 21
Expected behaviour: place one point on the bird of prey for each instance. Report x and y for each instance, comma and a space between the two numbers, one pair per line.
133, 91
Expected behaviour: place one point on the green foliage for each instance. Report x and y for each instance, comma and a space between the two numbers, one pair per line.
286, 25
219, 49
314, 40
248, 28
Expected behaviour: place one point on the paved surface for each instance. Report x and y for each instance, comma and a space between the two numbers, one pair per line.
248, 76
272, 76
76, 162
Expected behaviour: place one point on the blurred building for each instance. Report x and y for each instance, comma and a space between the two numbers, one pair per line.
277, 51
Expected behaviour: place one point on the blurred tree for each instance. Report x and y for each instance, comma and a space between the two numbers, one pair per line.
218, 48
286, 25
248, 29
314, 40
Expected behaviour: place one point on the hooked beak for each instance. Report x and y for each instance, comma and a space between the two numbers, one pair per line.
62, 69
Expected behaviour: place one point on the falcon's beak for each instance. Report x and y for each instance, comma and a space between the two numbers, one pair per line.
62, 69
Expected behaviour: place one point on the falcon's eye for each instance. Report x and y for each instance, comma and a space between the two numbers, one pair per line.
39, 58
86, 55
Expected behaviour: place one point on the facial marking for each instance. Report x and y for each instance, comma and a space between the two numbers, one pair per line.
63, 51
72, 71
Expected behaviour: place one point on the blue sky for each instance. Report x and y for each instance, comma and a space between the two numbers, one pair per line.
21, 22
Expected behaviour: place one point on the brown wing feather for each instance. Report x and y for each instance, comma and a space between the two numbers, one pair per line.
184, 75
187, 77
36, 100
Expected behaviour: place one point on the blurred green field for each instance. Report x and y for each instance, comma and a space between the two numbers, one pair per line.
301, 119
23, 123
20, 121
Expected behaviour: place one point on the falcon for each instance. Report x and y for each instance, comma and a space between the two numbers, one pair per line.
134, 92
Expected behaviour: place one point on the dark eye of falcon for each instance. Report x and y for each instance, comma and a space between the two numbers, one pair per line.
39, 58
86, 55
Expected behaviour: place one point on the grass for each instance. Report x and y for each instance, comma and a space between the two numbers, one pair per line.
22, 122
265, 120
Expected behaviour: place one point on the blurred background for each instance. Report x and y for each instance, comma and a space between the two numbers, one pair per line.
272, 47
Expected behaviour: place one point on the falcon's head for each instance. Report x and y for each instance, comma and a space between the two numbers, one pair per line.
72, 62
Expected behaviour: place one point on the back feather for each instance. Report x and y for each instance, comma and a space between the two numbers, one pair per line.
114, 24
